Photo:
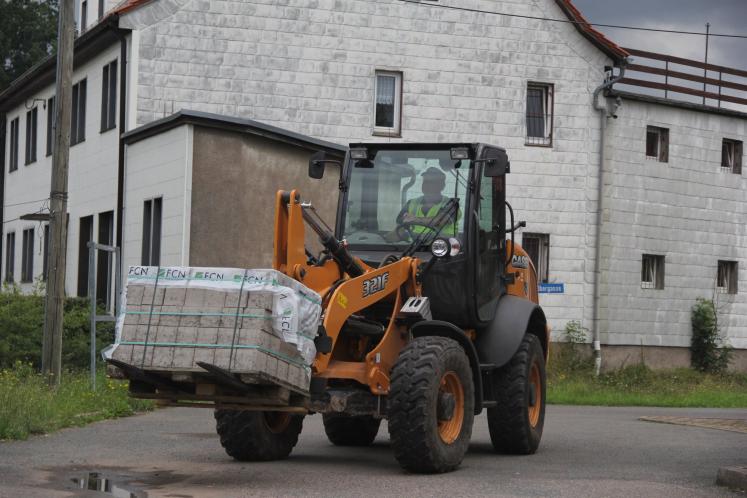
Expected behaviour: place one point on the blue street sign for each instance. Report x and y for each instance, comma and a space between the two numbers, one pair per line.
552, 288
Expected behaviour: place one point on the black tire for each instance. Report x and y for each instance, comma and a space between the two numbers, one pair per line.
510, 423
415, 399
344, 430
252, 436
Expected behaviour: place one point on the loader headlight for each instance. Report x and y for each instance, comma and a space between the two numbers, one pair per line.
442, 247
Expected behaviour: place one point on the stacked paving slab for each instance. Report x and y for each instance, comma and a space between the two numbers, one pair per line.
172, 327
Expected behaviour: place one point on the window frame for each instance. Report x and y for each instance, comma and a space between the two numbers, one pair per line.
78, 115
735, 164
152, 231
662, 143
15, 124
729, 271
45, 257
548, 107
51, 103
83, 15
10, 257
396, 130
32, 122
109, 96
658, 269
542, 263
27, 256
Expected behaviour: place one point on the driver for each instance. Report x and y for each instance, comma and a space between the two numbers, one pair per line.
423, 210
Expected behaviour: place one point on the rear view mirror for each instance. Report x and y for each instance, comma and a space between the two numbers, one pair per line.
316, 164
496, 163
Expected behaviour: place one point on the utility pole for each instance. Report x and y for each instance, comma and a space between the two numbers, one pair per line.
55, 299
705, 69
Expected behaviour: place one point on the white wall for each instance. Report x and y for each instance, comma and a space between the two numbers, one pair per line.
92, 183
689, 210
159, 166
310, 67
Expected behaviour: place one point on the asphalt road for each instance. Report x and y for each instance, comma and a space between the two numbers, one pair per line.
586, 451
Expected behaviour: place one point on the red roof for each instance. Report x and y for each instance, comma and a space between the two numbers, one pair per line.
596, 37
128, 5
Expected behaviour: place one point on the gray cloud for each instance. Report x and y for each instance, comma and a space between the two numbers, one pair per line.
725, 16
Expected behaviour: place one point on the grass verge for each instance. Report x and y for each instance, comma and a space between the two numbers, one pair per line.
28, 406
638, 385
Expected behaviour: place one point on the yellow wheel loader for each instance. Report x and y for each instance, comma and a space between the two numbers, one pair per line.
429, 316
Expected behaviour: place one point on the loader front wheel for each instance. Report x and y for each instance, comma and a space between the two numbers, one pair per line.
253, 436
344, 430
516, 422
431, 405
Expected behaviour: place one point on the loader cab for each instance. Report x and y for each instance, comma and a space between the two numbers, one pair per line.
384, 184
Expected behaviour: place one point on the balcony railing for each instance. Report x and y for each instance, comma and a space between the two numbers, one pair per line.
729, 87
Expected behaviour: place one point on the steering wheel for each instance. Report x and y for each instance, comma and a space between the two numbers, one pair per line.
407, 227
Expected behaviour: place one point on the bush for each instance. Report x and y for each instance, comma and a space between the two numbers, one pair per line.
573, 356
22, 328
708, 351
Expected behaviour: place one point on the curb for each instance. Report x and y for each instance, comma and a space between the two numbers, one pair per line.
733, 477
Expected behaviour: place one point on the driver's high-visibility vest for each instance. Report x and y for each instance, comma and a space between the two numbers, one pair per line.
415, 208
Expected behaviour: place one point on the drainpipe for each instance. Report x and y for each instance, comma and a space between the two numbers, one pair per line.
603, 115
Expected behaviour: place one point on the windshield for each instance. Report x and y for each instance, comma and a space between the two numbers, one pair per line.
401, 195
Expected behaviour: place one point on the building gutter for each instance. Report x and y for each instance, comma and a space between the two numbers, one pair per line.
604, 114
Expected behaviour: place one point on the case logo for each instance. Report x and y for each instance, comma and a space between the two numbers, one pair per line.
520, 262
375, 284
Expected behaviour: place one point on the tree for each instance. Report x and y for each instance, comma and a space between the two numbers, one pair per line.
28, 33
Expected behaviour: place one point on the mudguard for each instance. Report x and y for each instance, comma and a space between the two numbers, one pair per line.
439, 328
514, 317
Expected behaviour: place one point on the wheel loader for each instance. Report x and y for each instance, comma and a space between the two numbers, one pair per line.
427, 321
430, 311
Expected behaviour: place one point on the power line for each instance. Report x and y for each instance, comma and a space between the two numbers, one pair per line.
568, 21
26, 202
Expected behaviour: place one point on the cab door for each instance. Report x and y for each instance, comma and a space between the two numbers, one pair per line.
490, 244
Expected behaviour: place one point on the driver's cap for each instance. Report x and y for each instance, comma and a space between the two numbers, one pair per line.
434, 172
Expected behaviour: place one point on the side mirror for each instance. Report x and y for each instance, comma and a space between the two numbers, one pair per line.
496, 163
316, 164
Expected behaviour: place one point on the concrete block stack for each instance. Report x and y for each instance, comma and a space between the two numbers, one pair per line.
172, 327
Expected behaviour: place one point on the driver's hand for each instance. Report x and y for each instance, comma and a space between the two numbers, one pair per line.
408, 218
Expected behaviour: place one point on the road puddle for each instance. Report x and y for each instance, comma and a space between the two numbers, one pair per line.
94, 481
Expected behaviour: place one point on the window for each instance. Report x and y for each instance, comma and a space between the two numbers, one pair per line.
657, 144
388, 103
152, 232
45, 258
78, 125
104, 263
13, 145
109, 97
84, 237
652, 271
731, 156
727, 277
537, 246
101, 9
31, 120
27, 256
83, 15
10, 256
539, 114
50, 125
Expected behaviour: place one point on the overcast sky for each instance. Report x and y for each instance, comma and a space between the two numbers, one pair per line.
725, 16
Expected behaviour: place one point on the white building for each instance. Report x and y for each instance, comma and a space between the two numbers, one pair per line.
354, 70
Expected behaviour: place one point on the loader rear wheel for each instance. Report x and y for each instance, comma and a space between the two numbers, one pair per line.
431, 405
516, 422
253, 436
344, 430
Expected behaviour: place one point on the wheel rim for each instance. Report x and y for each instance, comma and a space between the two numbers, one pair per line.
534, 404
450, 429
277, 422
